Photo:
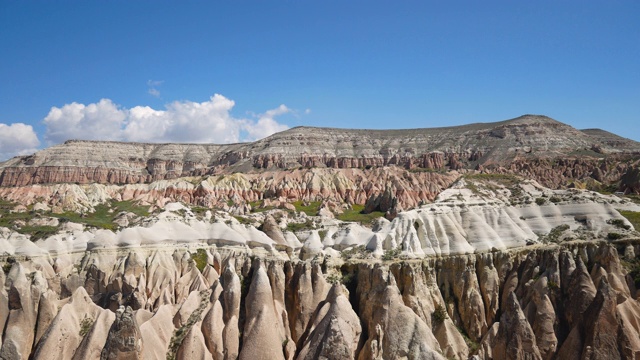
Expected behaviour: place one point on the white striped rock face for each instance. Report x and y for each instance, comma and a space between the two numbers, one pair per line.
155, 303
472, 257
460, 221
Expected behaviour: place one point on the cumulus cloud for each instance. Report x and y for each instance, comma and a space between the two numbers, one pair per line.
89, 122
17, 139
266, 124
181, 121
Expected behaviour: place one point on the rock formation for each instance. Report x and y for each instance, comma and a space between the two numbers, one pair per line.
481, 241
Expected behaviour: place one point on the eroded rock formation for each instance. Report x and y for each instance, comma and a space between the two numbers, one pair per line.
541, 303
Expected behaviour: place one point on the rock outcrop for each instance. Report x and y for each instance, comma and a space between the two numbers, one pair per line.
526, 145
550, 307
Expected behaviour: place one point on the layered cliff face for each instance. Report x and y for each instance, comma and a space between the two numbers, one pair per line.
489, 146
482, 241
576, 300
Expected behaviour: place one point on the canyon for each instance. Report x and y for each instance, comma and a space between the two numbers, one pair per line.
507, 240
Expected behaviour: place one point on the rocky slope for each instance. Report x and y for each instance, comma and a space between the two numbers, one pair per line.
572, 300
488, 146
483, 241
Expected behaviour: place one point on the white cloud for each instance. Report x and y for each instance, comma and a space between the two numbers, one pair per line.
266, 124
88, 122
17, 139
153, 87
181, 121
307, 111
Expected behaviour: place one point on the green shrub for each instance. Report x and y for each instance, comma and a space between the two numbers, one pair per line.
391, 254
633, 217
540, 201
439, 315
85, 326
619, 223
614, 236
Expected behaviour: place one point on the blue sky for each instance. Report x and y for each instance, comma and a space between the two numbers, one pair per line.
150, 70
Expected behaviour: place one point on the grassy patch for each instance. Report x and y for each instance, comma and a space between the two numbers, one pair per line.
311, 209
256, 207
200, 258
104, 214
38, 232
295, 227
243, 220
101, 218
7, 217
633, 217
355, 214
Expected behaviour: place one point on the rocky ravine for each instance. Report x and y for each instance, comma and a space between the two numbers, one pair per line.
477, 241
483, 271
569, 301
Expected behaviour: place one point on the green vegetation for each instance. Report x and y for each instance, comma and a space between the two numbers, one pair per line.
256, 207
472, 345
199, 211
540, 201
555, 233
356, 252
614, 236
633, 217
7, 217
356, 215
311, 209
38, 232
619, 223
242, 220
391, 254
439, 315
295, 227
101, 218
506, 180
85, 326
555, 199
200, 258
180, 333
552, 285
633, 197
104, 214
633, 267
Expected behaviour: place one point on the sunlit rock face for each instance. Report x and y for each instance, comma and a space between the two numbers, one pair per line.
535, 146
142, 303
483, 241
